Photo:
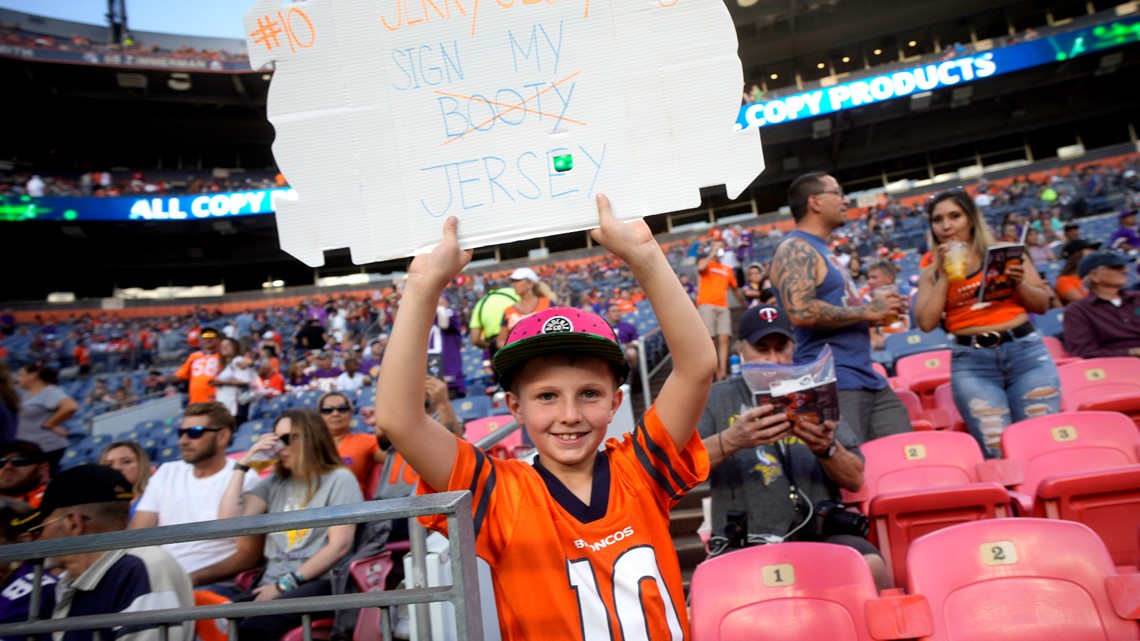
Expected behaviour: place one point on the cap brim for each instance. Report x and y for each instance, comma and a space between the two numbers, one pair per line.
511, 358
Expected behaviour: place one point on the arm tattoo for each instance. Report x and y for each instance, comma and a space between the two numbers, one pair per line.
793, 273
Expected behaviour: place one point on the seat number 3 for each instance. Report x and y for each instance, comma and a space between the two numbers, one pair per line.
633, 566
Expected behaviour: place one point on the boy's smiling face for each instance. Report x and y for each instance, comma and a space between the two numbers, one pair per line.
565, 402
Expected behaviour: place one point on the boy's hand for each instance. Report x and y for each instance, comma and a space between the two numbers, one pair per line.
624, 240
444, 262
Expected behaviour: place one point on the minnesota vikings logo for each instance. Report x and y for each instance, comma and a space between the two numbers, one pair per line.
768, 467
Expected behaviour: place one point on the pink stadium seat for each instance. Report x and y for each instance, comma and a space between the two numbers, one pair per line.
944, 400
1023, 580
920, 417
1057, 350
480, 428
370, 575
1108, 384
881, 369
795, 592
920, 482
923, 373
1082, 466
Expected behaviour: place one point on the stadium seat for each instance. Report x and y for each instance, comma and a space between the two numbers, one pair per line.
1022, 580
1057, 350
74, 457
923, 373
920, 482
916, 341
920, 417
1050, 324
472, 407
1108, 384
944, 400
1082, 466
370, 575
795, 592
475, 430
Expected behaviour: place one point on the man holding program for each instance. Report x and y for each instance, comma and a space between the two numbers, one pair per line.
585, 531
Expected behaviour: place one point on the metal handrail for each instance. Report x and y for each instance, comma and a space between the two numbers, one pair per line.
463, 594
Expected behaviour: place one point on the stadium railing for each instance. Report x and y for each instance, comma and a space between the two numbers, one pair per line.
463, 594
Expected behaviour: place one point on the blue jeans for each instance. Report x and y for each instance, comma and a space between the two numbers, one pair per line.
995, 387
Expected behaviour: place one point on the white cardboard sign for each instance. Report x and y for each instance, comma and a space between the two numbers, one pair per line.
511, 114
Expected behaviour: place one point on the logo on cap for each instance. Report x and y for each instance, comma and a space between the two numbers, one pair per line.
557, 324
769, 314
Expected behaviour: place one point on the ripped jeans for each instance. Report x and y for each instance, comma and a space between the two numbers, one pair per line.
995, 387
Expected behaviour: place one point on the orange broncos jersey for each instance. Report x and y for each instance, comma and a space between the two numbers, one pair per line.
565, 570
200, 369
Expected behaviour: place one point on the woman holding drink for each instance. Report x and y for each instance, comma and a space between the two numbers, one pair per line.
308, 473
1001, 371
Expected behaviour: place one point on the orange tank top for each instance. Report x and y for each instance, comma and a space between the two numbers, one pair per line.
963, 309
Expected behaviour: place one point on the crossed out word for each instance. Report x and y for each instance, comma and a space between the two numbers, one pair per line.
509, 108
268, 32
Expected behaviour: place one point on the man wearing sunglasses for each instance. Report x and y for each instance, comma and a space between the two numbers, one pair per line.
24, 472
189, 491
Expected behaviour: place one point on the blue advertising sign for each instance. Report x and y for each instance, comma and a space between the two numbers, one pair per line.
946, 73
196, 207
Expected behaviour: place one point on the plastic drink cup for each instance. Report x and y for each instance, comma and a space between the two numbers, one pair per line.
261, 465
954, 264
881, 292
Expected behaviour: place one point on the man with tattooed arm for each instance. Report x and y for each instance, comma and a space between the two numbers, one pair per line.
825, 308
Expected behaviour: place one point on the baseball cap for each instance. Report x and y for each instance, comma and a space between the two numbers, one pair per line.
80, 485
1077, 246
208, 332
559, 329
524, 273
1102, 258
24, 448
758, 322
1126, 213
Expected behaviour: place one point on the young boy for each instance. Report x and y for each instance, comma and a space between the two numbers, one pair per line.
578, 543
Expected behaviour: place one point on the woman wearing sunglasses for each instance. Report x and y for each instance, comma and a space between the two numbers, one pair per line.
308, 474
1000, 370
360, 452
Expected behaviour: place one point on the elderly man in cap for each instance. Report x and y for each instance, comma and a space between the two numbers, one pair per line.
24, 472
93, 499
201, 367
758, 458
1107, 321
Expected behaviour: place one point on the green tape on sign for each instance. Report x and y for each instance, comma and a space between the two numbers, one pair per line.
563, 163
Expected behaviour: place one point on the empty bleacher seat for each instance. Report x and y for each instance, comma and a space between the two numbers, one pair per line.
923, 373
1082, 466
920, 482
1022, 580
795, 592
916, 341
1050, 323
1108, 384
472, 407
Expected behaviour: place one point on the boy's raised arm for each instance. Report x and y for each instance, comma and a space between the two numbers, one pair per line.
682, 399
426, 445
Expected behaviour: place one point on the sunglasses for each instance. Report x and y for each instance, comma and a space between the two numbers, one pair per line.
18, 461
343, 409
284, 439
196, 432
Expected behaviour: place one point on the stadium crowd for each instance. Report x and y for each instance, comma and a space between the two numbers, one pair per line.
17, 36
106, 184
311, 370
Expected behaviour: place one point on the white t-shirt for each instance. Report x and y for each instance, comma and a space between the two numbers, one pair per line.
176, 496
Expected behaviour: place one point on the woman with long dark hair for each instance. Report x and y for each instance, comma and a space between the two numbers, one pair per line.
1001, 371
43, 410
308, 473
